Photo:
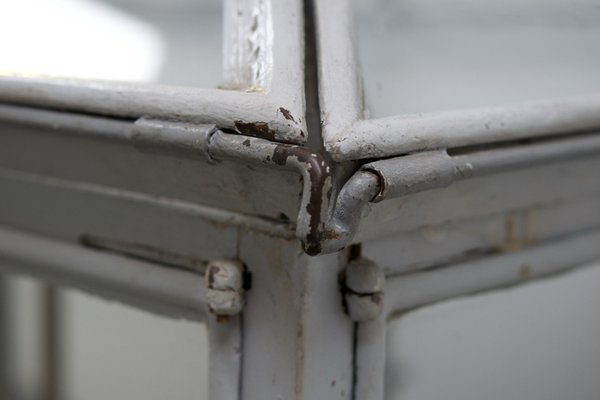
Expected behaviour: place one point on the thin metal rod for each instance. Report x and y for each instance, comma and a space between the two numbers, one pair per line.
409, 291
164, 290
51, 343
418, 172
5, 356
233, 110
400, 135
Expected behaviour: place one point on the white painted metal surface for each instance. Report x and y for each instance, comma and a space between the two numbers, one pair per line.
349, 133
129, 191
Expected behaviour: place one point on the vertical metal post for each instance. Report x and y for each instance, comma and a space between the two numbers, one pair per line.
225, 358
297, 341
370, 359
50, 349
5, 390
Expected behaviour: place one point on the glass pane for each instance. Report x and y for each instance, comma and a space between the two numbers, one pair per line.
174, 42
435, 55
112, 351
25, 334
540, 341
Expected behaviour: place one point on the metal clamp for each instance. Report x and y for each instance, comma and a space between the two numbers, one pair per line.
362, 286
227, 281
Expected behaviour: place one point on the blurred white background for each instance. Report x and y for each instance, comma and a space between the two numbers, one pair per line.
537, 341
175, 42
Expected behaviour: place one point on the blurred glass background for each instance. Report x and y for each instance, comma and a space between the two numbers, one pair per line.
174, 42
103, 349
538, 341
437, 55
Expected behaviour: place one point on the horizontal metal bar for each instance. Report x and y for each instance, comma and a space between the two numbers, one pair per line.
401, 176
409, 291
176, 138
390, 136
426, 245
249, 222
172, 138
418, 172
247, 113
168, 291
493, 161
81, 124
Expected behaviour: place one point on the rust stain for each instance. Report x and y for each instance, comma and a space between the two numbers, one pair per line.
329, 234
525, 272
512, 240
256, 129
318, 173
519, 230
377, 298
286, 114
223, 319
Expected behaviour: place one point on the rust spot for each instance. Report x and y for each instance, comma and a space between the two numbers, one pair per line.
519, 230
246, 142
329, 234
281, 154
223, 319
287, 114
377, 298
525, 272
220, 225
144, 252
256, 129
512, 240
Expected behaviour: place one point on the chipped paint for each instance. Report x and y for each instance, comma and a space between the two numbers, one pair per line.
318, 181
286, 114
256, 129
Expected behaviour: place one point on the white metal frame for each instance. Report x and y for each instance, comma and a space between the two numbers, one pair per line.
170, 179
436, 239
349, 136
263, 76
407, 292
